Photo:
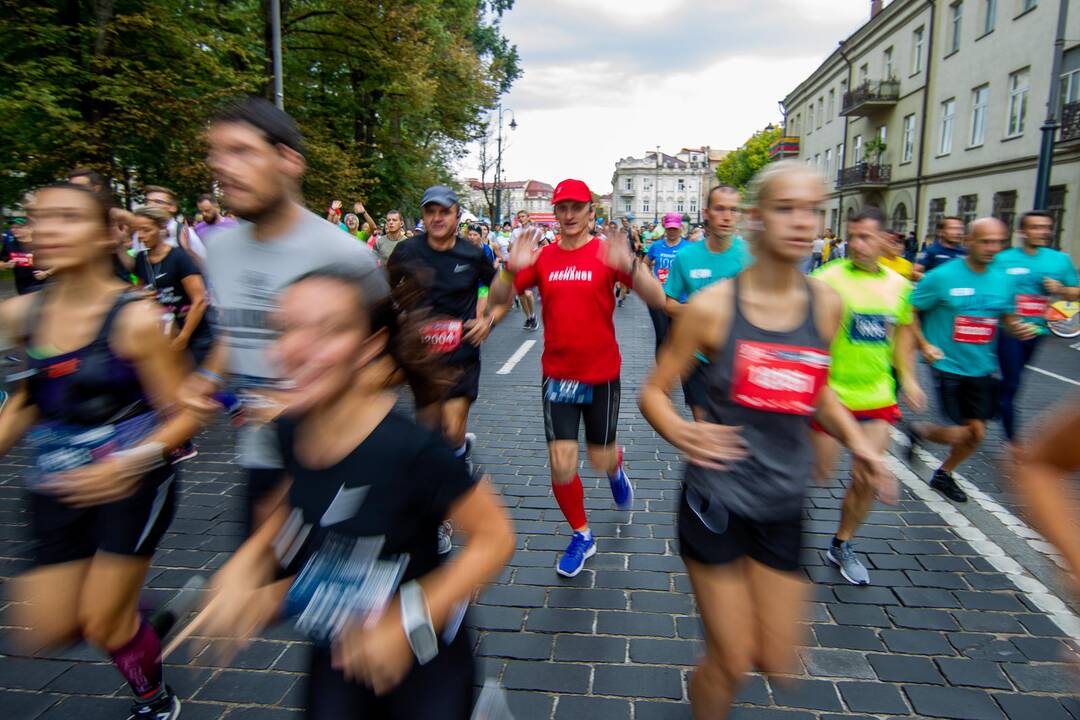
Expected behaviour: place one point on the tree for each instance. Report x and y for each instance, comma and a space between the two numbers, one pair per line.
739, 166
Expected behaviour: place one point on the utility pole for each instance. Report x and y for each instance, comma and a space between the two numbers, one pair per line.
498, 162
275, 32
1051, 125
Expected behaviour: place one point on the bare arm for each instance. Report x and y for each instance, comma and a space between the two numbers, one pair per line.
196, 290
672, 306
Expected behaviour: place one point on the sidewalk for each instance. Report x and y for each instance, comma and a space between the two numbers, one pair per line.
943, 632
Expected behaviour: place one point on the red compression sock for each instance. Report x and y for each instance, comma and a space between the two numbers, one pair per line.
571, 499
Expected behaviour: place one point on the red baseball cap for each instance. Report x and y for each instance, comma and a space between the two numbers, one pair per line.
571, 190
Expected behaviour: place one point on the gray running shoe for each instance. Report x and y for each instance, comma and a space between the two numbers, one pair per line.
446, 530
851, 568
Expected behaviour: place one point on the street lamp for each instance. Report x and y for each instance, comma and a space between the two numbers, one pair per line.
656, 189
498, 162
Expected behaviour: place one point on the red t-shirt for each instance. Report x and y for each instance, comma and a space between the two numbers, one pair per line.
577, 288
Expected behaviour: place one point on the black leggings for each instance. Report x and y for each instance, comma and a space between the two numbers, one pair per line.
440, 690
660, 323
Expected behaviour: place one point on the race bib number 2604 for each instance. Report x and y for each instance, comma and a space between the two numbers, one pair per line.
778, 378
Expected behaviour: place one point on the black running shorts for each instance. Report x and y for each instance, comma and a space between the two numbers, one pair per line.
132, 526
563, 420
468, 382
964, 398
773, 544
440, 690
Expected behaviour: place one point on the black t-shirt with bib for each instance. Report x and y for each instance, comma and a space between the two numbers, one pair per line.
398, 484
450, 281
167, 280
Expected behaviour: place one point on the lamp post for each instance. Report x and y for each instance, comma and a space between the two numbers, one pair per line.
275, 49
498, 161
656, 189
1051, 125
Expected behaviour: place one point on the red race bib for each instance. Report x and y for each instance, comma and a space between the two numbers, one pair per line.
22, 259
974, 330
778, 378
1031, 305
442, 336
661, 275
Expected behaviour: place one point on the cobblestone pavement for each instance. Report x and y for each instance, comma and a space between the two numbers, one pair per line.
943, 632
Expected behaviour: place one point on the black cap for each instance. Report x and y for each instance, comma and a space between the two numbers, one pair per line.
441, 195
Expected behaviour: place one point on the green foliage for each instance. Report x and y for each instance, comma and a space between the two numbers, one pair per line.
875, 147
739, 166
387, 94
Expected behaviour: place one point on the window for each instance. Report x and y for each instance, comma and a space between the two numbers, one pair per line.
956, 23
887, 69
682, 185
883, 133
1055, 205
864, 73
917, 38
843, 92
1005, 208
908, 151
978, 114
828, 163
817, 161
899, 218
810, 119
856, 157
967, 208
628, 206
679, 205
937, 211
1070, 87
1018, 92
832, 106
645, 205
840, 156
989, 16
798, 123
948, 114
1026, 5
821, 111
629, 183
693, 205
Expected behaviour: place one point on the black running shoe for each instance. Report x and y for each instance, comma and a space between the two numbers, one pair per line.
914, 441
162, 706
945, 484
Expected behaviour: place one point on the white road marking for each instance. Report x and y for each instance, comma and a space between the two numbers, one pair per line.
1075, 346
1040, 595
516, 357
1047, 373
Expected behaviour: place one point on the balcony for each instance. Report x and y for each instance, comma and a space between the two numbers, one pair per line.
1070, 122
870, 98
787, 146
864, 175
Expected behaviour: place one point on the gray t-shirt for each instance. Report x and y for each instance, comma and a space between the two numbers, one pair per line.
385, 246
246, 276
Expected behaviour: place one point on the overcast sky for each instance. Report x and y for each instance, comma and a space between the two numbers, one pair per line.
605, 79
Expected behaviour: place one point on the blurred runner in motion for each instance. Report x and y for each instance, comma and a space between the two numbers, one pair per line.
369, 486
97, 401
766, 334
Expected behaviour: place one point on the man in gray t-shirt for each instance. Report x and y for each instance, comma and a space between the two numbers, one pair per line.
256, 156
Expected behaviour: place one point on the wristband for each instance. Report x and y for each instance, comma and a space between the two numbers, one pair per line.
416, 621
210, 375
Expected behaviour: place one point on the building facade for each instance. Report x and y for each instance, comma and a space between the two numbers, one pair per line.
934, 107
658, 183
531, 195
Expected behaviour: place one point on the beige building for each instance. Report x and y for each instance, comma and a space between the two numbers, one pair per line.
531, 195
659, 183
934, 107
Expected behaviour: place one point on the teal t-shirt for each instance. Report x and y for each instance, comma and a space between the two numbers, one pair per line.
961, 313
1027, 273
696, 267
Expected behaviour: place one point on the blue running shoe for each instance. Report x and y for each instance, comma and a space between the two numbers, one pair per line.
621, 489
579, 550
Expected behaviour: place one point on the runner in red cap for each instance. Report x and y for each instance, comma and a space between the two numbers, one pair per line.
581, 360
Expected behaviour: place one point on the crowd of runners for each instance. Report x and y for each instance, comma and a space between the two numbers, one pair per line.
134, 329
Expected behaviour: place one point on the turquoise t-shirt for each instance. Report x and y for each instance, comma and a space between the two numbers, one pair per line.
1027, 273
696, 266
961, 313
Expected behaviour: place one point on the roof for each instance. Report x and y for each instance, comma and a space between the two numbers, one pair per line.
505, 184
535, 188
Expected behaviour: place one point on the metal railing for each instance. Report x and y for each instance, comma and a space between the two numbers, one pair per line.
872, 91
864, 174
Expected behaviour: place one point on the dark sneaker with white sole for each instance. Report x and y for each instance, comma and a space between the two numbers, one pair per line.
162, 706
946, 484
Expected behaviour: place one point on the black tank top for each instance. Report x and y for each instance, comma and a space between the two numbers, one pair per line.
766, 382
88, 386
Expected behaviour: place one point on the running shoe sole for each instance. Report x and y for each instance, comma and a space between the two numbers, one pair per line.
834, 561
588, 554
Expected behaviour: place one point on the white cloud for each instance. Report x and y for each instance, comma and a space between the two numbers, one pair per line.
604, 79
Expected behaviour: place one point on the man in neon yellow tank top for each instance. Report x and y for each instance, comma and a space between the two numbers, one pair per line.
874, 345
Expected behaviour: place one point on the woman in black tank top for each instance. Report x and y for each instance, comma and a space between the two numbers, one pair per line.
766, 334
94, 399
